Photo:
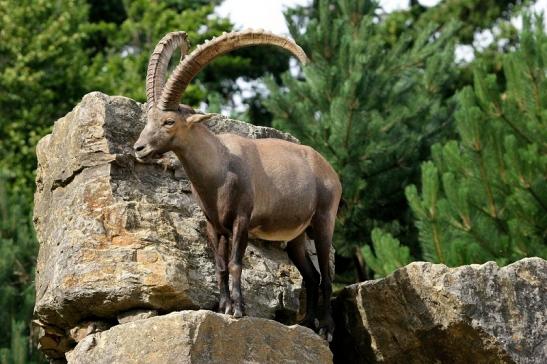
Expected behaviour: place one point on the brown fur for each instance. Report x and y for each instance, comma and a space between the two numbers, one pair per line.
267, 188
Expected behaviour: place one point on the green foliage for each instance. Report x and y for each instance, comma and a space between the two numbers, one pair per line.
372, 108
41, 59
474, 16
17, 352
121, 48
120, 67
484, 197
17, 261
388, 254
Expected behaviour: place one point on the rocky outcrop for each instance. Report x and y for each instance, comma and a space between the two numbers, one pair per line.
123, 248
202, 337
428, 313
117, 235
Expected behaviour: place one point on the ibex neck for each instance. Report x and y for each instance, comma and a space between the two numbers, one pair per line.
203, 157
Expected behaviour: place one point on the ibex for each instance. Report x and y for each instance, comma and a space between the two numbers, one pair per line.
270, 189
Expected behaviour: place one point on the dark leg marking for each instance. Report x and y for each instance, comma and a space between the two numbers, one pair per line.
219, 245
323, 228
235, 266
297, 253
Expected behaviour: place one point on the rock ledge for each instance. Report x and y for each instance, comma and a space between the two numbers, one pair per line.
202, 337
425, 313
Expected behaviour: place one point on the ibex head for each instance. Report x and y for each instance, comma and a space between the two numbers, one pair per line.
169, 122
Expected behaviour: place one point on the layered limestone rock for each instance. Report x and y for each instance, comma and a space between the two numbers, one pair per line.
428, 313
202, 337
117, 235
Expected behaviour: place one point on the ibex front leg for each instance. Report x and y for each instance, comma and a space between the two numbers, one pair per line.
235, 266
219, 245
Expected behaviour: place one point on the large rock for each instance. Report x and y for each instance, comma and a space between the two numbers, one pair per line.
116, 235
202, 337
428, 313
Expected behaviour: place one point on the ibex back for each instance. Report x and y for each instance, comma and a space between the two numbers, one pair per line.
266, 188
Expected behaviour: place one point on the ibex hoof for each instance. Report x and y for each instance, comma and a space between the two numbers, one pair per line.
326, 329
325, 335
238, 313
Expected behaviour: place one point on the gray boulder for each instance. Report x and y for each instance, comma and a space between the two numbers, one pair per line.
117, 235
202, 337
429, 313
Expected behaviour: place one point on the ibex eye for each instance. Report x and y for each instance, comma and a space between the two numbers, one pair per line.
169, 122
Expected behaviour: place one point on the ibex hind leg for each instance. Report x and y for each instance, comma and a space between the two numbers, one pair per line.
322, 230
296, 250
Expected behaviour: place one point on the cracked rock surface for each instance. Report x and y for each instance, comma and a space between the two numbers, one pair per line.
429, 313
202, 337
117, 235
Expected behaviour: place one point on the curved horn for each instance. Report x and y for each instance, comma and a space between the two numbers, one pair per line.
190, 66
159, 60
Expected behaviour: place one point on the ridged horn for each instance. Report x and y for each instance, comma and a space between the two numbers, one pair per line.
190, 66
159, 60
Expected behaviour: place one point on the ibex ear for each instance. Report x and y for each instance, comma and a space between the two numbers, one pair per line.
197, 118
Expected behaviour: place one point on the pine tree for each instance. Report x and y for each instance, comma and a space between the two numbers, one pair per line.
370, 107
484, 196
475, 16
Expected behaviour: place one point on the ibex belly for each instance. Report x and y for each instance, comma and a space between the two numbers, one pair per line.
278, 234
285, 217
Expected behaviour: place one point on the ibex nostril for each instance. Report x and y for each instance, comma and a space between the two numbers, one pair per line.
138, 148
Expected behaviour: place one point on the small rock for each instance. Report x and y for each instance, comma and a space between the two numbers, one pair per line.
87, 344
80, 331
52, 340
135, 315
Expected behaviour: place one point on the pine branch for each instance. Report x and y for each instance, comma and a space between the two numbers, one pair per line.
443, 127
484, 180
501, 114
348, 128
537, 198
437, 243
385, 169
